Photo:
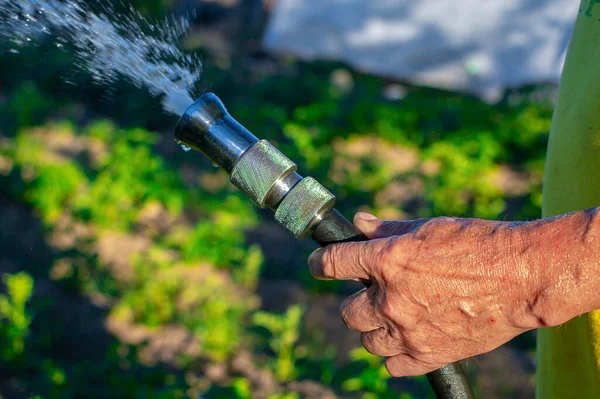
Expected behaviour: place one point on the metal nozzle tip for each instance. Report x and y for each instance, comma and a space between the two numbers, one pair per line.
204, 112
206, 126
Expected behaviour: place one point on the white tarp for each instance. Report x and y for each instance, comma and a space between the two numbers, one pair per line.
475, 46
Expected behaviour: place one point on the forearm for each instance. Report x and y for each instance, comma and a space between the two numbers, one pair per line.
566, 252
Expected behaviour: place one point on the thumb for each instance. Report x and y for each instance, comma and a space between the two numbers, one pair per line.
373, 227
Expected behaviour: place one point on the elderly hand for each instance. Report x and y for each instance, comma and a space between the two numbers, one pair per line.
443, 289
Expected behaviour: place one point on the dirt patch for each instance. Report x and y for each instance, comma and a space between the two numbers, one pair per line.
351, 155
115, 250
263, 382
505, 373
512, 182
399, 198
68, 233
311, 389
154, 219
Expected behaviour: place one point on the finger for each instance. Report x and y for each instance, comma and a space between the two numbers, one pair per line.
374, 228
358, 311
403, 365
380, 342
346, 261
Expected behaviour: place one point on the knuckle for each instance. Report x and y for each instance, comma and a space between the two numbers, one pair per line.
366, 339
437, 227
415, 343
398, 323
388, 311
363, 258
389, 256
445, 219
366, 258
387, 252
443, 224
380, 343
407, 366
392, 367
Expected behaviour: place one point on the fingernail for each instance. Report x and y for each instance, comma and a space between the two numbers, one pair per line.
314, 265
365, 216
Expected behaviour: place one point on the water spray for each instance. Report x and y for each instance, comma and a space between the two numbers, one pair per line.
301, 204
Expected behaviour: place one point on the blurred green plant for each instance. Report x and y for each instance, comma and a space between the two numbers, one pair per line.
52, 180
248, 274
220, 239
462, 186
201, 299
27, 105
287, 395
285, 332
372, 378
55, 375
15, 319
127, 175
241, 388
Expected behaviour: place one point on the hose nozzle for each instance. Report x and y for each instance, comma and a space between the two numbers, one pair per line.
255, 166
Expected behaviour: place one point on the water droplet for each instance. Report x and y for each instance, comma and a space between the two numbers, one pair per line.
28, 39
13, 51
216, 165
185, 148
59, 45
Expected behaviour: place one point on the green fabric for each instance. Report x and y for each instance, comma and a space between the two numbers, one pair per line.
569, 355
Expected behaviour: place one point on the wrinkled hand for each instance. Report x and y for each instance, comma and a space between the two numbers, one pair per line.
442, 290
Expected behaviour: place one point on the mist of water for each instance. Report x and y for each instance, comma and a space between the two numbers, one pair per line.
108, 44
